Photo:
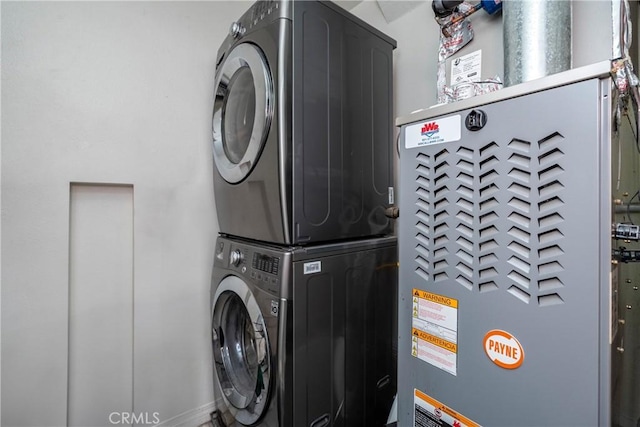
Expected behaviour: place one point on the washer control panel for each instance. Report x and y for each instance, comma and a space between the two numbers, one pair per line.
260, 267
266, 263
264, 269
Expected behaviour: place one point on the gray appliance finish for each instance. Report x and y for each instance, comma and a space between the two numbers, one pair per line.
304, 336
508, 297
302, 125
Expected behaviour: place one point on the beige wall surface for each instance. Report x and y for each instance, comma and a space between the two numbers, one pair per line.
109, 94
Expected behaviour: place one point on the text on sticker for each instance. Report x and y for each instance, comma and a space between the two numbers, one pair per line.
504, 349
312, 267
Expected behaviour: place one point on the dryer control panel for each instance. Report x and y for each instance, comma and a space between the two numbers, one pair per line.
261, 13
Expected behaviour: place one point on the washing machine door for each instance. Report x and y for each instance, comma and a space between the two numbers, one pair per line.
241, 350
242, 111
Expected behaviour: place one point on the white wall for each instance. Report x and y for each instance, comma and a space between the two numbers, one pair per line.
108, 92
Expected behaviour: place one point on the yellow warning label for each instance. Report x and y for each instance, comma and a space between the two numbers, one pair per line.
432, 339
438, 299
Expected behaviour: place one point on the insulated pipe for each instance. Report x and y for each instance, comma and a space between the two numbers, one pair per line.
622, 209
537, 39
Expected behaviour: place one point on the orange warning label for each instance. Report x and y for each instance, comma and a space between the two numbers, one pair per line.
432, 339
435, 329
429, 412
438, 299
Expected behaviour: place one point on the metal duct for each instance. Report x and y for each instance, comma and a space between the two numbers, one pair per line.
537, 39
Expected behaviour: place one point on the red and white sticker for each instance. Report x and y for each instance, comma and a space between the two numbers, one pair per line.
429, 412
503, 349
433, 131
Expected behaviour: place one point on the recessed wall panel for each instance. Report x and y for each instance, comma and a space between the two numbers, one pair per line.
100, 304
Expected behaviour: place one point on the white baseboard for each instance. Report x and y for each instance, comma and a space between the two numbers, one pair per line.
193, 418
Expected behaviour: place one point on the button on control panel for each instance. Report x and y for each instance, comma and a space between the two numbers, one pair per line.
236, 257
262, 9
236, 30
265, 268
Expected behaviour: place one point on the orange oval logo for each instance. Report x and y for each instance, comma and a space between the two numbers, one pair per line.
503, 349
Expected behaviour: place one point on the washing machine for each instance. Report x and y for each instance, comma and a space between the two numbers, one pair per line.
302, 125
304, 336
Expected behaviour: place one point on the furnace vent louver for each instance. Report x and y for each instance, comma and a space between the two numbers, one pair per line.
490, 218
549, 220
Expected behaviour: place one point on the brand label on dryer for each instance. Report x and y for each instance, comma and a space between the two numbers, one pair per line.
436, 131
312, 267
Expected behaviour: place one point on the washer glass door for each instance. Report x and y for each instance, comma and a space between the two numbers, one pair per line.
241, 350
242, 111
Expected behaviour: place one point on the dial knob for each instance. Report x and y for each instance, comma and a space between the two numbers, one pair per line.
237, 257
236, 30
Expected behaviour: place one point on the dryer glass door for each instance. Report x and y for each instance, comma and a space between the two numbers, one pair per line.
241, 349
242, 111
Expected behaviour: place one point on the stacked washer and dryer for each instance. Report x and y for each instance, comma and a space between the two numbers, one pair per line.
304, 283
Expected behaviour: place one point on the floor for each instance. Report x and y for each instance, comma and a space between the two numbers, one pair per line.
212, 424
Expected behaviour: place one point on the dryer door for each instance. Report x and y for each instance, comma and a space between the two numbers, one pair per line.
241, 350
242, 111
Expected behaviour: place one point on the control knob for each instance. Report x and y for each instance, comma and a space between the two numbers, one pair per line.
236, 257
236, 30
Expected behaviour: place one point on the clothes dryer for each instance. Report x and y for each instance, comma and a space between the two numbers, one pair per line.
302, 125
304, 336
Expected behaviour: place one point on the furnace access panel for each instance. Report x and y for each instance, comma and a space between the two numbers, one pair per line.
509, 304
